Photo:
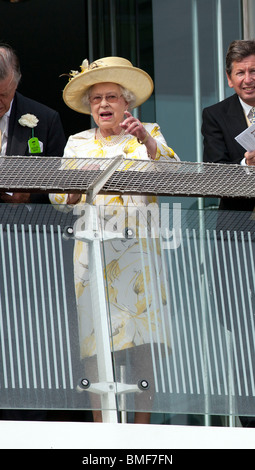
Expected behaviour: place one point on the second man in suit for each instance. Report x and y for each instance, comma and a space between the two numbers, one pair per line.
26, 126
223, 121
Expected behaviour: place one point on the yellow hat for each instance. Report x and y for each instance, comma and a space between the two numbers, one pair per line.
108, 69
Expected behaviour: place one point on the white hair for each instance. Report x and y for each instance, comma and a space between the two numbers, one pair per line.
128, 95
9, 63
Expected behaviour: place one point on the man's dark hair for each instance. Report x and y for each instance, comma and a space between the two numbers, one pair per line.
237, 51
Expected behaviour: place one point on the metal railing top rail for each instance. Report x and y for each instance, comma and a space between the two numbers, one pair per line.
63, 175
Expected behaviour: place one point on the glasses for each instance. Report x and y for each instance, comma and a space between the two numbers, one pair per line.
110, 98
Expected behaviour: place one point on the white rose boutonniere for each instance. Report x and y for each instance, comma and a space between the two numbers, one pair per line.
30, 120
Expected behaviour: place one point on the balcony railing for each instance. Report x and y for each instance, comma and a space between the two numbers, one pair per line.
185, 280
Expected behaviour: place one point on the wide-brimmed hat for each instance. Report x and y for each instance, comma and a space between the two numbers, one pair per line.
108, 69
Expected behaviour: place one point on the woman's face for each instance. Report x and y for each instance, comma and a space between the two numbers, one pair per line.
107, 107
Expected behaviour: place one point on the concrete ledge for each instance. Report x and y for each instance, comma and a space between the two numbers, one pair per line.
63, 435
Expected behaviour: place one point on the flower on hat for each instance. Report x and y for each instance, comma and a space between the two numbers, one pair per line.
28, 120
84, 66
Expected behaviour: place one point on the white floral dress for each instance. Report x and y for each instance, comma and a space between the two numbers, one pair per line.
123, 271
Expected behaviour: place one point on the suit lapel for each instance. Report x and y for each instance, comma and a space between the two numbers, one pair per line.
17, 135
235, 118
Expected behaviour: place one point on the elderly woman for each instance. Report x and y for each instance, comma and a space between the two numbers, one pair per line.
108, 89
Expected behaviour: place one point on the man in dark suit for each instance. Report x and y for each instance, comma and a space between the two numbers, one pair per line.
222, 122
46, 131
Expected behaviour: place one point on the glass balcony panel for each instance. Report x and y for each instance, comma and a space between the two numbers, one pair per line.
179, 289
184, 304
40, 361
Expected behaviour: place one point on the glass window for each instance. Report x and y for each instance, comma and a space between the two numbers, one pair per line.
174, 40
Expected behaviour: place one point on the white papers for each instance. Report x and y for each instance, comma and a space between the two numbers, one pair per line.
247, 138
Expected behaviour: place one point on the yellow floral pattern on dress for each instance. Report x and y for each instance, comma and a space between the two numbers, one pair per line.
134, 319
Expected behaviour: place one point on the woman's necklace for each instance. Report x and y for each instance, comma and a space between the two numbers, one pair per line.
114, 139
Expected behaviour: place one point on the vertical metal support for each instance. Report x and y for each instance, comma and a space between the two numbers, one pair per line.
221, 67
113, 27
248, 14
198, 122
123, 407
197, 90
107, 388
101, 326
90, 31
93, 236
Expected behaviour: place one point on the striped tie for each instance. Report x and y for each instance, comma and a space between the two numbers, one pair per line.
252, 115
3, 133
